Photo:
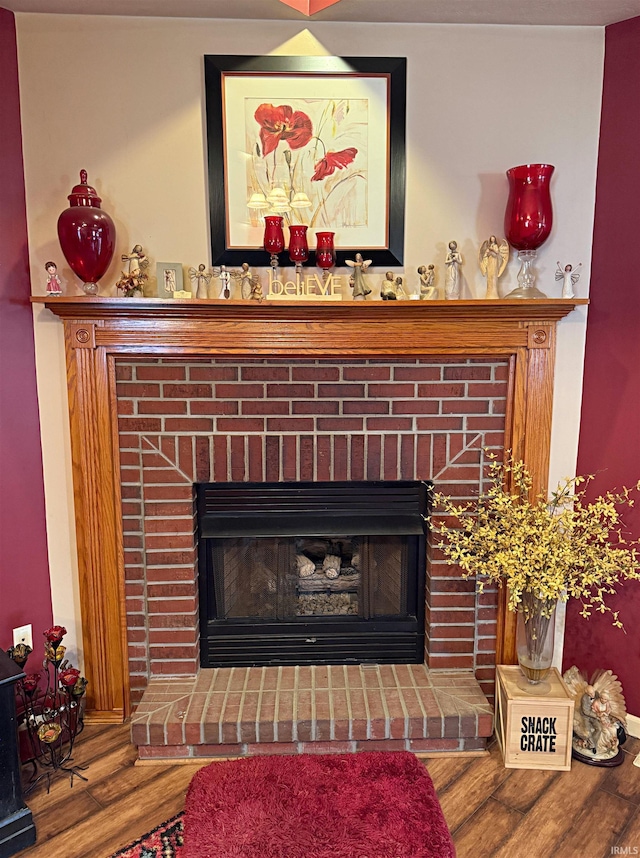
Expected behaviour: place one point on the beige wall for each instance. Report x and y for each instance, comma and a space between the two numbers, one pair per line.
123, 98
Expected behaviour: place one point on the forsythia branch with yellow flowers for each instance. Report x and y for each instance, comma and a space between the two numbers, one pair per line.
547, 548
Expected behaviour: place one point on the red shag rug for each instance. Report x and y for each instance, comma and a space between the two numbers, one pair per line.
165, 841
373, 804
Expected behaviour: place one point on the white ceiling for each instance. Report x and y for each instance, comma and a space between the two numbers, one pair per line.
595, 13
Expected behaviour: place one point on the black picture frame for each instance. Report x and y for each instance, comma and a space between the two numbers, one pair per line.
394, 68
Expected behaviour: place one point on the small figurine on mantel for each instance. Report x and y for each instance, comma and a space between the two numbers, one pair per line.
400, 291
569, 279
54, 284
493, 258
427, 279
225, 278
246, 280
201, 278
360, 286
392, 288
256, 290
453, 263
136, 260
131, 282
599, 717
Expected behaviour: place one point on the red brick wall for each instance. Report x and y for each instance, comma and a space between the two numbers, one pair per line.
264, 420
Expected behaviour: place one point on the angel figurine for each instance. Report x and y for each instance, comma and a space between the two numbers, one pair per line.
599, 717
360, 287
220, 271
256, 290
246, 279
493, 258
201, 278
569, 279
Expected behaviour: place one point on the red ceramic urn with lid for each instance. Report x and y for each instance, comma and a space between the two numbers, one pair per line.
87, 235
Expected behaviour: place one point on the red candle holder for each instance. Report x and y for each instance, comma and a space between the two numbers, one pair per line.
298, 246
273, 238
528, 220
325, 252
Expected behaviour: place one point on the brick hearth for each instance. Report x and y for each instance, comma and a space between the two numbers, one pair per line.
320, 709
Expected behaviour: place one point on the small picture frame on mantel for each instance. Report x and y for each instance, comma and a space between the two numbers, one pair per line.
169, 277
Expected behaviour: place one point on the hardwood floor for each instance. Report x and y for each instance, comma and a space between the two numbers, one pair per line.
493, 812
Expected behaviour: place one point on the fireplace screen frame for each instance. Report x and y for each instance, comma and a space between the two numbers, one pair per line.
373, 511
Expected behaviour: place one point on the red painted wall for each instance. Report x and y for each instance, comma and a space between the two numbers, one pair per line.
25, 590
610, 423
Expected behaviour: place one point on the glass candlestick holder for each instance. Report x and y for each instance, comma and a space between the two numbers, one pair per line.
325, 252
527, 277
273, 239
298, 246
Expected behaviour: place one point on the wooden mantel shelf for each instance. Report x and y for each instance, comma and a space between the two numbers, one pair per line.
304, 327
503, 310
100, 330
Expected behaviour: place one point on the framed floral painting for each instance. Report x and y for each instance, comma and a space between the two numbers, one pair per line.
319, 140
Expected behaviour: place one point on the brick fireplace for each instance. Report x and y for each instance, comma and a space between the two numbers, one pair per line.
163, 395
218, 420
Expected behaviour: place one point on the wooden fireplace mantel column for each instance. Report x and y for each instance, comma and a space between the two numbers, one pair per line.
98, 330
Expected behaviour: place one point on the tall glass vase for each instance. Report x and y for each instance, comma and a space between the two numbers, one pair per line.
534, 639
87, 235
528, 220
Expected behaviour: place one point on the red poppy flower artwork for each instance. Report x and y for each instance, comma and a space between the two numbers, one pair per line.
323, 157
282, 123
333, 161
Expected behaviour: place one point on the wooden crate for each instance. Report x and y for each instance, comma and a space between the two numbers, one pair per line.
534, 732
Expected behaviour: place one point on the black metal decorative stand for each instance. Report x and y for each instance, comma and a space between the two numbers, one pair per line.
52, 712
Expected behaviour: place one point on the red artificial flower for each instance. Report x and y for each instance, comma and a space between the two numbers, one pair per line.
55, 634
69, 677
30, 683
282, 123
333, 161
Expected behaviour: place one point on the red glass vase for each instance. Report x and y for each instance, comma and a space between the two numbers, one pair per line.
298, 246
529, 216
325, 253
87, 235
273, 234
528, 220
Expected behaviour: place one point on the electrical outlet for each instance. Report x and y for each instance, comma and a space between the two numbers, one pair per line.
23, 634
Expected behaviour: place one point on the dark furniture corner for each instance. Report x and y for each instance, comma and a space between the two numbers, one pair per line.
17, 830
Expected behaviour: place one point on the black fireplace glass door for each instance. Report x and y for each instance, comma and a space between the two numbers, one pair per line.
283, 578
